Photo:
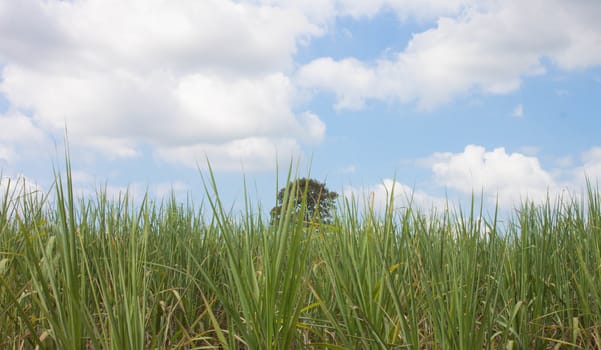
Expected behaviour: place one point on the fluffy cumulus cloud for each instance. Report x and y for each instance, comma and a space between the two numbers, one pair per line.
487, 46
508, 177
503, 178
200, 77
15, 127
249, 154
180, 35
349, 79
6, 154
18, 133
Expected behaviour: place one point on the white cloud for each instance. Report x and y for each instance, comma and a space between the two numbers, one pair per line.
510, 177
378, 196
506, 179
182, 74
6, 154
140, 35
218, 110
18, 134
250, 154
348, 78
518, 111
487, 49
15, 127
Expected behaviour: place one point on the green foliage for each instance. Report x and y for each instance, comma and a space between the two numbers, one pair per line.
305, 198
114, 274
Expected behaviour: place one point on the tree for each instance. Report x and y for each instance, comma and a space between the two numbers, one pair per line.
308, 194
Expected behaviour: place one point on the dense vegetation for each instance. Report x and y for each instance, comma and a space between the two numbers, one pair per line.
112, 274
307, 196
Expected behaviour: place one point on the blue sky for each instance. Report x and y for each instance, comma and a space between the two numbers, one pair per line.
445, 97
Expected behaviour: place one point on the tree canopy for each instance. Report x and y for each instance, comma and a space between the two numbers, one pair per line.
317, 200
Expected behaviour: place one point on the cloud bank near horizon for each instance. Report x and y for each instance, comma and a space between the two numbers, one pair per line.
502, 178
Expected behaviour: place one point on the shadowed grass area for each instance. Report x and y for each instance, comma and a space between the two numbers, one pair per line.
96, 273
